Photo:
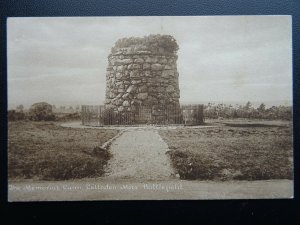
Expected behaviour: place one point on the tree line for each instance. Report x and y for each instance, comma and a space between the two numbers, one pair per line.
44, 111
229, 111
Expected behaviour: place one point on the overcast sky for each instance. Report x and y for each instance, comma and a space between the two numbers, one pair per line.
221, 59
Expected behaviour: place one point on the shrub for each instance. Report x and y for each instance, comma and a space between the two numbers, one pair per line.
101, 153
41, 111
214, 111
61, 166
191, 167
13, 115
64, 167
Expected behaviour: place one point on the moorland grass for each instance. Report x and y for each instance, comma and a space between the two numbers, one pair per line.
231, 153
47, 151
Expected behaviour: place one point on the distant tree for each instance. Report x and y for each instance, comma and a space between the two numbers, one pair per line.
20, 108
13, 115
41, 111
248, 105
77, 108
247, 111
262, 107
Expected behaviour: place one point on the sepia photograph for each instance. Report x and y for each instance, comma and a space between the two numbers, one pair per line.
149, 108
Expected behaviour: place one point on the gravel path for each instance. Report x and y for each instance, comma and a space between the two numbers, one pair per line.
139, 154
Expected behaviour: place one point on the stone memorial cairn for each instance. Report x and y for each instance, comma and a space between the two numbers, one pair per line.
142, 78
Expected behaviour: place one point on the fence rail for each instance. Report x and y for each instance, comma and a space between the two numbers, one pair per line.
101, 115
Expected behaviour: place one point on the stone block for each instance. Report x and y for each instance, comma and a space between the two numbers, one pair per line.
147, 73
141, 52
119, 95
119, 68
123, 61
119, 75
121, 108
170, 88
127, 96
126, 103
152, 89
146, 66
139, 61
131, 89
134, 73
167, 73
168, 67
117, 102
162, 101
133, 66
171, 61
160, 89
163, 61
143, 88
150, 59
136, 81
119, 83
142, 96
112, 95
156, 66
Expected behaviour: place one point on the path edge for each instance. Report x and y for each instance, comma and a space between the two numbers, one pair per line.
107, 144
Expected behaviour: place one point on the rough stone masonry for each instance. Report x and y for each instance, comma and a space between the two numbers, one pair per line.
143, 72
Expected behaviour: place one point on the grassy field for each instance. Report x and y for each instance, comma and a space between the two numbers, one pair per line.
47, 151
232, 151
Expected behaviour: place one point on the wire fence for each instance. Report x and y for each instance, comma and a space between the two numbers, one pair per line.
101, 115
